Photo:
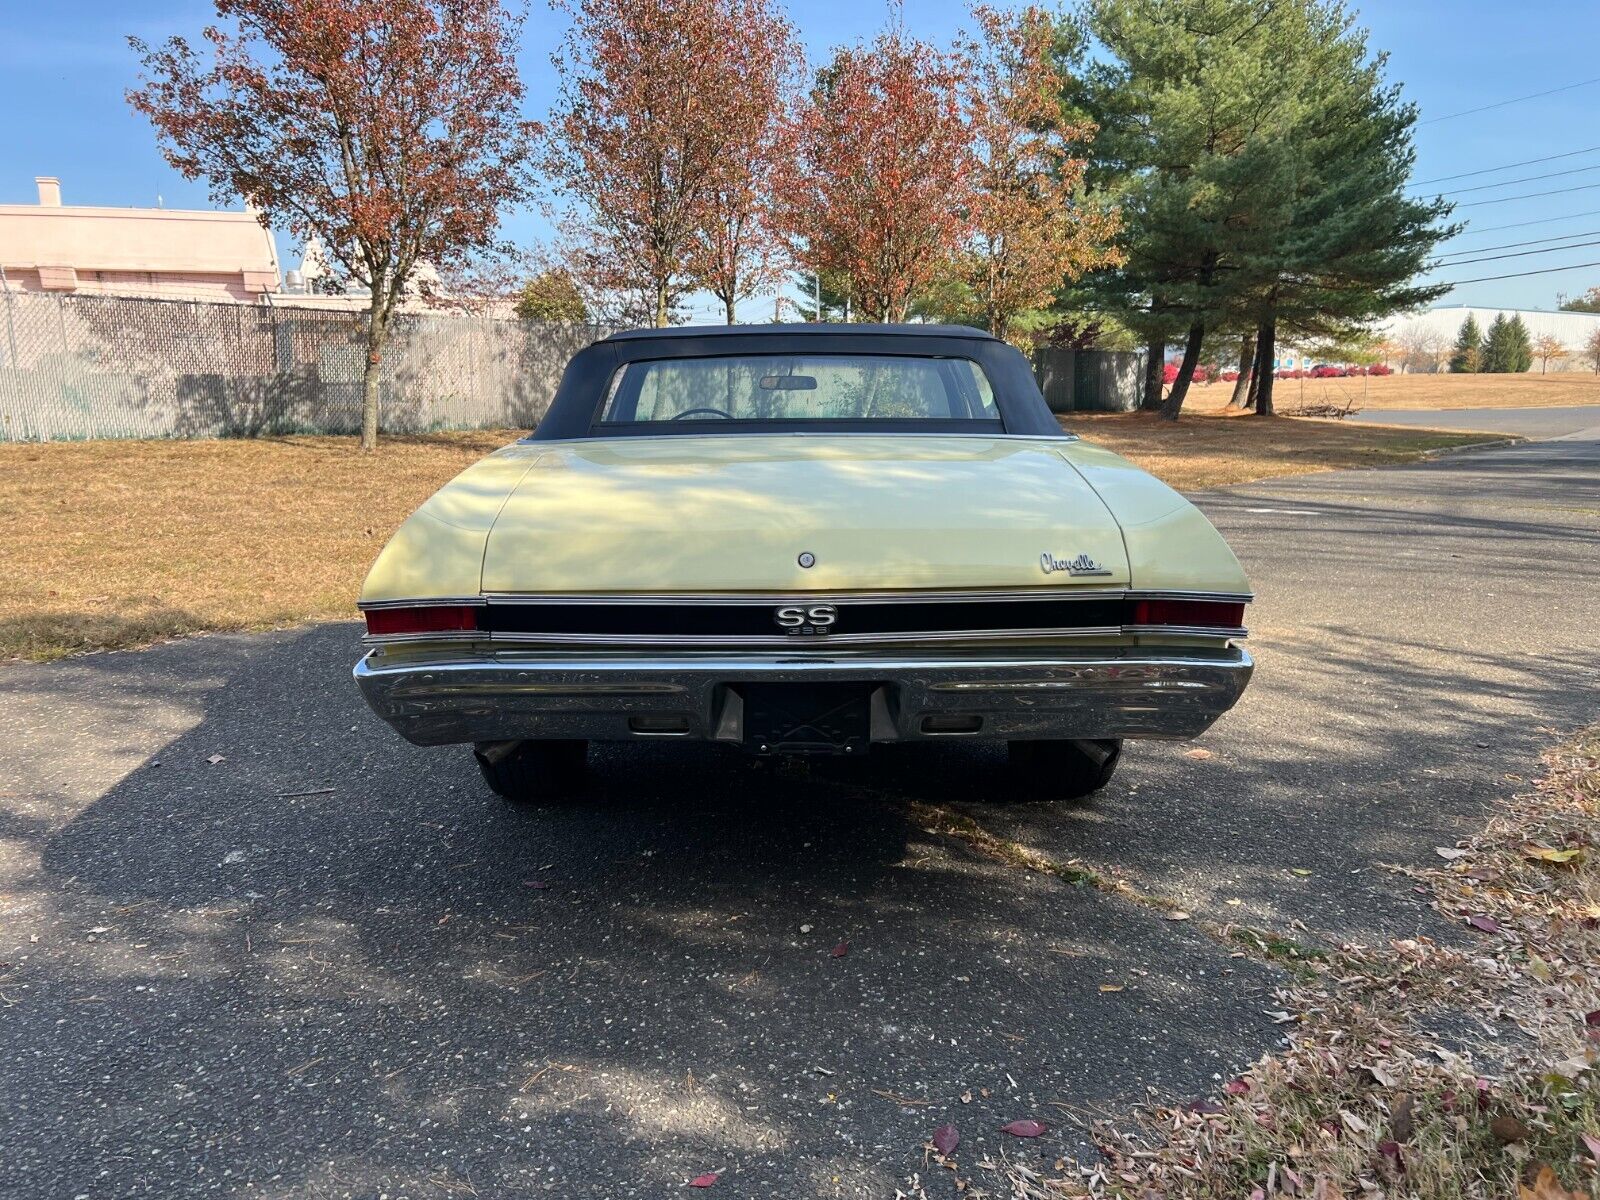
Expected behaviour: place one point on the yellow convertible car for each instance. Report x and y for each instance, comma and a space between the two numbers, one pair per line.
802, 540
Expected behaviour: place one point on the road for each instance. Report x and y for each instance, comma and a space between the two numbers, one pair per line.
250, 943
1526, 422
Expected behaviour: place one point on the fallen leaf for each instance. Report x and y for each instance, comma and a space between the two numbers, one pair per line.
1450, 853
806, 928
1112, 987
1352, 1122
1508, 1129
1402, 1119
1197, 754
1484, 923
1380, 1072
1558, 857
1299, 871
537, 885
1024, 1129
1236, 1087
1592, 1144
703, 1181
215, 759
1203, 1107
1177, 915
1546, 1187
1592, 1019
840, 950
1391, 1151
945, 1140
1539, 969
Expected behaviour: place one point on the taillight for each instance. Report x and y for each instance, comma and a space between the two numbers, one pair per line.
425, 618
1211, 614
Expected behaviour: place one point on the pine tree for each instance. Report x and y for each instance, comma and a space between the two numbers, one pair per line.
1335, 241
1468, 351
1176, 92
1519, 356
1495, 356
1261, 163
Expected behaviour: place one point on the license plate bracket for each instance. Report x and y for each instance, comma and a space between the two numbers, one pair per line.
807, 718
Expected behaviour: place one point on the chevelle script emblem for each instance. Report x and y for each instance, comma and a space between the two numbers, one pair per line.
802, 619
1082, 565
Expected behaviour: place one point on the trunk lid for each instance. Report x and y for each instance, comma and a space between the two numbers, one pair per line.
733, 513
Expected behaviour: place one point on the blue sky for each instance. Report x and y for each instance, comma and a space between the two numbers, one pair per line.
64, 66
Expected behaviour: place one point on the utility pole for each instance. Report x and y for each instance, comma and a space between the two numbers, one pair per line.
816, 293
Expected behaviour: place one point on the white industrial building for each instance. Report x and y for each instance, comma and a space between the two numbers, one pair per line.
1420, 336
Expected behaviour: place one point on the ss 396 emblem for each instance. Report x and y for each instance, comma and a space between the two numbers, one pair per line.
800, 620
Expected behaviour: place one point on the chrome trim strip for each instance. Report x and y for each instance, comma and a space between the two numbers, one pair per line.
1042, 592
430, 602
802, 643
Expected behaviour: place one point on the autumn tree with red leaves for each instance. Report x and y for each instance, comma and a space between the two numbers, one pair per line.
736, 251
661, 136
881, 171
390, 130
1030, 231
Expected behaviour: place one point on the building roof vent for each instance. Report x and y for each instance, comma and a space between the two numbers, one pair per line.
49, 191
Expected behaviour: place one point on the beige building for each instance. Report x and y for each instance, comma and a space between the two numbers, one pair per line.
156, 252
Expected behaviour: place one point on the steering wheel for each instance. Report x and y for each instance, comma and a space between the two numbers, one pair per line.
710, 412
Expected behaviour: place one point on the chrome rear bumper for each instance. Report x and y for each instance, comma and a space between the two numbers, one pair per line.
455, 695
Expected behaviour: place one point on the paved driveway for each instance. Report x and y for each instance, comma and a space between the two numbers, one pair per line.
1525, 422
320, 966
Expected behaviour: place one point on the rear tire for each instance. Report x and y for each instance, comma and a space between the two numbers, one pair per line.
1065, 770
533, 772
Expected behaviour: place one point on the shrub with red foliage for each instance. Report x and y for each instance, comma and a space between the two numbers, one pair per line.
1169, 373
1230, 376
1380, 369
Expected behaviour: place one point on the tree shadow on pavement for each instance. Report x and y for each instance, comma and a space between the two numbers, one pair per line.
331, 962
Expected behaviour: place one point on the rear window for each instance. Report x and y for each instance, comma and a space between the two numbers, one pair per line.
835, 388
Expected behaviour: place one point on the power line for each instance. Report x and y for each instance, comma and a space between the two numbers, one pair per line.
1485, 187
1582, 187
1522, 274
1513, 245
1467, 112
1467, 262
1527, 162
1525, 224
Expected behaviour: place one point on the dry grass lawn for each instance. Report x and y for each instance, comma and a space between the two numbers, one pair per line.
1423, 391
122, 543
1205, 449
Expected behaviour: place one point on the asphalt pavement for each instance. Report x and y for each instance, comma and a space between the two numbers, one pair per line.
1524, 422
253, 944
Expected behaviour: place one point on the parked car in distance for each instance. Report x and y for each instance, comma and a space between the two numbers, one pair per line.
802, 539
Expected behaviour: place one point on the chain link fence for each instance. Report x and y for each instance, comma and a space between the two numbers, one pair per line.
93, 366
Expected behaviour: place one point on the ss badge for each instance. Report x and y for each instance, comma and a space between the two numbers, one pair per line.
802, 619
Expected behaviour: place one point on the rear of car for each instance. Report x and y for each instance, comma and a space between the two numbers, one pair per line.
798, 541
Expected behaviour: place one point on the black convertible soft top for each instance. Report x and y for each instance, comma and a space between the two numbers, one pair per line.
575, 409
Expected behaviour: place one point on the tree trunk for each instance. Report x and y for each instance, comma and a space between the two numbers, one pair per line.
372, 370
1180, 385
1154, 364
728, 305
1247, 364
661, 304
1266, 349
1262, 366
